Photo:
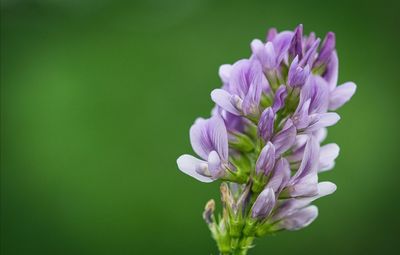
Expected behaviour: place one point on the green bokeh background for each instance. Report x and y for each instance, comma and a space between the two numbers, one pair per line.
98, 96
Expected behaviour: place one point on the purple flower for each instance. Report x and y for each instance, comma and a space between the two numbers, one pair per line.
266, 124
311, 112
310, 54
209, 140
274, 51
296, 46
285, 138
338, 95
264, 204
279, 99
341, 94
289, 206
327, 49
266, 161
297, 75
281, 175
327, 155
232, 122
243, 89
304, 181
298, 219
316, 90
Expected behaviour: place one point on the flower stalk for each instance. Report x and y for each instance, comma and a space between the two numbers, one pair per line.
265, 138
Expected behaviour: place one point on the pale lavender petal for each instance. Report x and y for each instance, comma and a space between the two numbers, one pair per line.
266, 160
309, 162
194, 167
327, 48
285, 138
270, 58
233, 122
303, 187
258, 49
265, 53
300, 142
316, 89
310, 54
266, 124
299, 219
327, 155
214, 165
279, 99
225, 72
341, 94
301, 118
321, 121
288, 206
281, 175
272, 32
332, 70
241, 78
199, 138
281, 44
297, 75
297, 154
321, 134
208, 135
219, 136
256, 81
323, 189
264, 204
224, 99
309, 41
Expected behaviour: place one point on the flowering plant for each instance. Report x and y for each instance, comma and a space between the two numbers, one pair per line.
264, 138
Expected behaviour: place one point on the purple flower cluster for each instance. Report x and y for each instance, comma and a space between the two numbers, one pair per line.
266, 130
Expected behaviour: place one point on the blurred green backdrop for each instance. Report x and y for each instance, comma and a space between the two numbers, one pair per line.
98, 97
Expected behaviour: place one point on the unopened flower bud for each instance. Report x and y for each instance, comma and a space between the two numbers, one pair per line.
296, 48
209, 211
264, 204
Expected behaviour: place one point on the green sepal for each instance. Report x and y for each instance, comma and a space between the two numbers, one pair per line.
241, 142
250, 227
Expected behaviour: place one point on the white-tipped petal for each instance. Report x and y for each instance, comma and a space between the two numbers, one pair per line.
194, 167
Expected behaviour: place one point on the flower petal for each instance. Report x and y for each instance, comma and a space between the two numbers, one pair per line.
281, 44
264, 204
225, 72
304, 187
296, 48
309, 162
327, 155
341, 94
279, 99
214, 165
219, 136
332, 71
281, 175
224, 100
207, 135
266, 124
321, 121
285, 138
327, 48
266, 161
194, 167
299, 219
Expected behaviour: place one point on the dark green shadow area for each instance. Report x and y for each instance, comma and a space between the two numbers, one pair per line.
98, 97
